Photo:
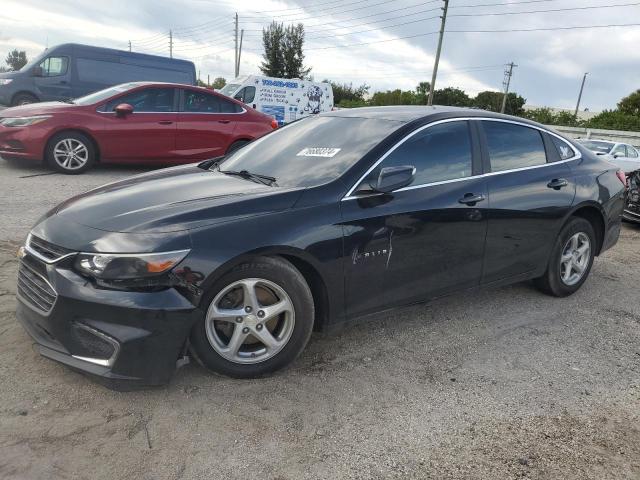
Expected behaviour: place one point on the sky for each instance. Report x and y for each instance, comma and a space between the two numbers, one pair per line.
386, 44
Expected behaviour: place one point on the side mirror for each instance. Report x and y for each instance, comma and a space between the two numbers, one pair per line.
391, 179
37, 72
123, 110
618, 155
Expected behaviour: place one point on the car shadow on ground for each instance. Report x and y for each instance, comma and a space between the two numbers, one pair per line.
33, 168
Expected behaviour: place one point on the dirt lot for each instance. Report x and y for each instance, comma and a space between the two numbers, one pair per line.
503, 383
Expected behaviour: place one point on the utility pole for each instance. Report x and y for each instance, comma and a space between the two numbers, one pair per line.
170, 44
208, 80
505, 83
236, 43
584, 79
432, 87
239, 54
129, 45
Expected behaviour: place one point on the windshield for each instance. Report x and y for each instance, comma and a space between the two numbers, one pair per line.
229, 89
100, 95
598, 147
312, 151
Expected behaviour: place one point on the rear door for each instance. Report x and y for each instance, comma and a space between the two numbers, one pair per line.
149, 133
206, 123
531, 190
423, 240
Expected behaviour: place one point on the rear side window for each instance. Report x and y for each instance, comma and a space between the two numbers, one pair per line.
513, 146
203, 102
146, 100
441, 152
563, 148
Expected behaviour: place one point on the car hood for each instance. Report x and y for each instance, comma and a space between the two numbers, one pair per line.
42, 108
172, 200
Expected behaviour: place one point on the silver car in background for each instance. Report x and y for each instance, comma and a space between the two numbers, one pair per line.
623, 155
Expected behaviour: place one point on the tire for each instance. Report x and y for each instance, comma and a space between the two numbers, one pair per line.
24, 99
84, 153
280, 286
235, 146
562, 277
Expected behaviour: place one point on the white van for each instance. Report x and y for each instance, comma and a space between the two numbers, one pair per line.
284, 99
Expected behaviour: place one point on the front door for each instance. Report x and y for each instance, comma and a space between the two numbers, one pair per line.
424, 240
531, 190
54, 81
148, 134
206, 123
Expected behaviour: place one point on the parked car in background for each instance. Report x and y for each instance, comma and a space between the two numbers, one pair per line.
623, 155
325, 221
632, 208
134, 122
284, 99
72, 70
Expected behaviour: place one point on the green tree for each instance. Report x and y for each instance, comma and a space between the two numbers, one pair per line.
395, 97
492, 101
630, 104
541, 115
219, 82
346, 94
451, 96
16, 59
293, 42
614, 120
273, 64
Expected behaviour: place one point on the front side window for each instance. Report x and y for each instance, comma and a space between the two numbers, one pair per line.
249, 94
146, 100
203, 102
632, 152
438, 153
513, 146
620, 150
54, 66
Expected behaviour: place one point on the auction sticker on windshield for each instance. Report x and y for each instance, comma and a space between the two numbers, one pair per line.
326, 152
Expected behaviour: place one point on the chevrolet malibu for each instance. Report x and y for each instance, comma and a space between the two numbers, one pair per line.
235, 261
138, 122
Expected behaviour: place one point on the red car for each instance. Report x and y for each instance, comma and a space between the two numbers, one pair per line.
136, 122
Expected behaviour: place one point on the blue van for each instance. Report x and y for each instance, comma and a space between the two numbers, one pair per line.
73, 70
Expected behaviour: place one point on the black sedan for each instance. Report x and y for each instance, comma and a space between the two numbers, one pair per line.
330, 219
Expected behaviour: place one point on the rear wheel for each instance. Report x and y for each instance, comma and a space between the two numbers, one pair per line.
259, 318
23, 99
571, 259
70, 153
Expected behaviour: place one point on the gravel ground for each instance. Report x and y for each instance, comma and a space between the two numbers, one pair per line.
502, 383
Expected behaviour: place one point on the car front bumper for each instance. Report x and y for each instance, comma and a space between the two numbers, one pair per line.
123, 339
23, 142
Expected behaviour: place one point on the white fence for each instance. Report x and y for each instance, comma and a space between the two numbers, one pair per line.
632, 138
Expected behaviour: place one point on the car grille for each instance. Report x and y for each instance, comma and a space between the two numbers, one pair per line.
48, 251
34, 289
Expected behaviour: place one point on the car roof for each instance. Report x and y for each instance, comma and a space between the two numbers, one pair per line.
410, 113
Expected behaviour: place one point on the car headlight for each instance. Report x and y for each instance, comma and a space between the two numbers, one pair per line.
5, 81
23, 121
115, 266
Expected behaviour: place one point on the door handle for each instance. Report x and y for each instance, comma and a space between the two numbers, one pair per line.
557, 183
224, 121
165, 122
63, 82
471, 199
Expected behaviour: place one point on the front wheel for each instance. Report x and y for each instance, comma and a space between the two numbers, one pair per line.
259, 318
70, 153
571, 259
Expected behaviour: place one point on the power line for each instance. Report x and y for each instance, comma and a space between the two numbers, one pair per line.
544, 11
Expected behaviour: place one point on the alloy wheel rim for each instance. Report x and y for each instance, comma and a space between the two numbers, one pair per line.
70, 154
575, 258
250, 321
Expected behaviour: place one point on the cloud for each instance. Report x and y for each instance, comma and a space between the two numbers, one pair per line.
551, 63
